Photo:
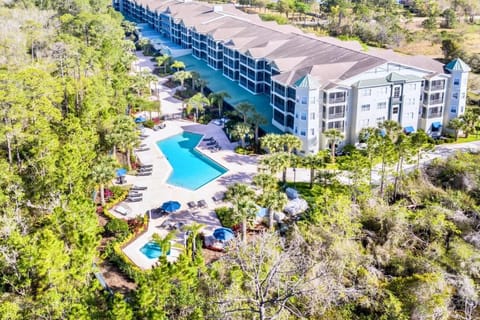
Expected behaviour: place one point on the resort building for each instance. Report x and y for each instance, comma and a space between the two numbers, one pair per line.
313, 83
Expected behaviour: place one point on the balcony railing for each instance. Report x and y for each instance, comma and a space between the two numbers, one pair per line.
336, 100
437, 87
336, 115
435, 115
436, 101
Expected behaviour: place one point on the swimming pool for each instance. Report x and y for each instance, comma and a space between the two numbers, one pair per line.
191, 169
151, 250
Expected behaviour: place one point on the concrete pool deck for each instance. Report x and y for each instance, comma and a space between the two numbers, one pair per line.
240, 169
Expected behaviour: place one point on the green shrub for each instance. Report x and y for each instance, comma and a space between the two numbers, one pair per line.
225, 216
205, 119
244, 151
274, 17
149, 124
118, 228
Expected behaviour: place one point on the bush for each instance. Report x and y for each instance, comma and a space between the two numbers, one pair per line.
274, 17
244, 151
149, 124
225, 216
205, 119
118, 228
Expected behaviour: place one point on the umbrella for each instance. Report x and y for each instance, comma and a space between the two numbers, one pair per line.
121, 172
170, 206
223, 234
140, 119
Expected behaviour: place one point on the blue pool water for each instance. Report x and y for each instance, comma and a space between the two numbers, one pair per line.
191, 169
152, 250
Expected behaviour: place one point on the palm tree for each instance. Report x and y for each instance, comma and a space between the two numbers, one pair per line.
256, 119
456, 125
333, 137
165, 244
273, 200
243, 207
202, 83
313, 162
178, 65
242, 131
181, 76
244, 109
392, 129
195, 77
277, 162
192, 230
271, 142
198, 101
419, 142
123, 136
163, 61
103, 172
218, 98
290, 142
265, 181
471, 120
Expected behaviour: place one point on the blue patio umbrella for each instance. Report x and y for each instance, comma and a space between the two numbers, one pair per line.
121, 172
140, 119
223, 234
171, 206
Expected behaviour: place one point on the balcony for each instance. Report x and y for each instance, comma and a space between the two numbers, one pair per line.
437, 87
336, 115
435, 115
435, 101
336, 100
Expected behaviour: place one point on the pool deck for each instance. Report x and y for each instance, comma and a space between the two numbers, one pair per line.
240, 169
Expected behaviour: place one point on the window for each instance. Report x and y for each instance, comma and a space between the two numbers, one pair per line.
413, 86
336, 125
303, 116
366, 92
312, 132
364, 123
336, 97
312, 99
463, 94
453, 109
395, 110
455, 95
366, 107
380, 119
302, 132
381, 105
303, 100
396, 92
384, 90
312, 116
456, 82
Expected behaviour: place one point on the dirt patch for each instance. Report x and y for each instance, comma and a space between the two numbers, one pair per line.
115, 278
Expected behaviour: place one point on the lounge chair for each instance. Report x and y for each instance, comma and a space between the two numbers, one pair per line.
146, 166
218, 148
123, 211
134, 195
202, 204
208, 139
192, 204
138, 188
144, 174
212, 143
218, 198
144, 169
133, 199
142, 149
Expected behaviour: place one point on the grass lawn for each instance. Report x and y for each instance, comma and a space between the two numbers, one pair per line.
471, 137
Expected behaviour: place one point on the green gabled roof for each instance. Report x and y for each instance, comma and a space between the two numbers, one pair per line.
372, 83
395, 77
307, 82
458, 65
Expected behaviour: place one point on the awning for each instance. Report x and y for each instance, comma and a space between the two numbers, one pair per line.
140, 119
409, 129
436, 125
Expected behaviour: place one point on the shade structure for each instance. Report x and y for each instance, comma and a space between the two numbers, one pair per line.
436, 125
408, 129
171, 206
223, 234
140, 119
121, 172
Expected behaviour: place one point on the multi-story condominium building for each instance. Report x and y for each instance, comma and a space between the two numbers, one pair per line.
314, 84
